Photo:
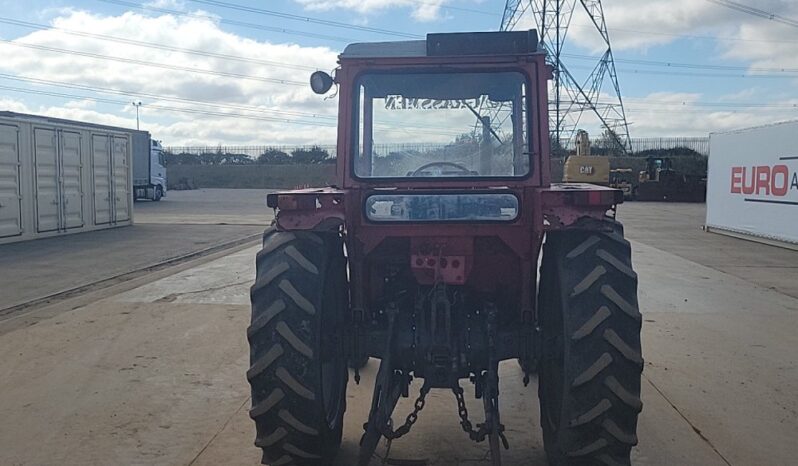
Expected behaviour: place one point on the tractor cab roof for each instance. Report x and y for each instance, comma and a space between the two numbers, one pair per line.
451, 45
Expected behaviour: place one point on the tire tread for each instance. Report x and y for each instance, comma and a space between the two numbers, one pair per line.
587, 276
285, 365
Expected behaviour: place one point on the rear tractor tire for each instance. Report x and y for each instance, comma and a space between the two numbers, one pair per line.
298, 370
591, 364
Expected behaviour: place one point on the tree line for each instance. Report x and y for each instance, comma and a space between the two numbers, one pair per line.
299, 156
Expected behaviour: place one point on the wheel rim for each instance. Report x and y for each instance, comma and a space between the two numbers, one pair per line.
552, 370
332, 389
333, 363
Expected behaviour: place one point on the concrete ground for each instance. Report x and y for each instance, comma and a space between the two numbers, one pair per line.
678, 229
182, 224
151, 372
208, 206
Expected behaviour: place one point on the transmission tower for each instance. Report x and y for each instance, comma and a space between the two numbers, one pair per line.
598, 93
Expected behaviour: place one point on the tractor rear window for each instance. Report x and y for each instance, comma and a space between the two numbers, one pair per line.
441, 125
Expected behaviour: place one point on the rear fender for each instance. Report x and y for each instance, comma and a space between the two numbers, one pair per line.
308, 209
563, 205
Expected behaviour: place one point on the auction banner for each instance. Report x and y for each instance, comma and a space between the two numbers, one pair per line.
753, 182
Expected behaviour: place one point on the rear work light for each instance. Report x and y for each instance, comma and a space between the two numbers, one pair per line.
482, 43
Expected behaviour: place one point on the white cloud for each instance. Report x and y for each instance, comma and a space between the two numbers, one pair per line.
637, 26
640, 25
652, 21
422, 10
83, 103
11, 105
171, 4
663, 114
270, 98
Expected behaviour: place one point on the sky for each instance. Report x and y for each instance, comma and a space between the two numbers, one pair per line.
235, 72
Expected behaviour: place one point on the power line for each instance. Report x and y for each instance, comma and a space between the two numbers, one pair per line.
304, 19
228, 21
697, 75
446, 6
161, 107
154, 64
105, 90
687, 103
615, 31
191, 111
637, 103
423, 129
707, 75
648, 110
460, 8
153, 45
416, 129
755, 12
252, 108
668, 64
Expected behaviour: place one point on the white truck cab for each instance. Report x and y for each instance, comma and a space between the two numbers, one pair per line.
157, 169
149, 168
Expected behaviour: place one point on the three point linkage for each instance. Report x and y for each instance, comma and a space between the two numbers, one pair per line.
492, 429
392, 384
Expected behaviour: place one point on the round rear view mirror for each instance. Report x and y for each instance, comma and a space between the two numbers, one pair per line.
320, 82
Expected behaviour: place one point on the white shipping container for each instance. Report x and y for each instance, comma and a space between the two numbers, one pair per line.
60, 176
753, 184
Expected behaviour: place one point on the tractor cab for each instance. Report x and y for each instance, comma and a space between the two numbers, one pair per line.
656, 169
462, 109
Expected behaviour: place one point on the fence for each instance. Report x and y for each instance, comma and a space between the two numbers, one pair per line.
250, 151
698, 144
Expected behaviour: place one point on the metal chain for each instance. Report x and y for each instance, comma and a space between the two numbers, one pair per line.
462, 411
390, 434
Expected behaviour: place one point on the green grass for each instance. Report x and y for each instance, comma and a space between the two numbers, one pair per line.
253, 176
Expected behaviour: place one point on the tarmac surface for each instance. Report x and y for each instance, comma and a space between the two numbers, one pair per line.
185, 223
150, 371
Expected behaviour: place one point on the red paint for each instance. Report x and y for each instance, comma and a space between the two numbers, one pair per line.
780, 188
748, 188
507, 252
737, 180
761, 180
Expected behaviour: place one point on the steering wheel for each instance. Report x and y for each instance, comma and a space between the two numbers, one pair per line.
459, 167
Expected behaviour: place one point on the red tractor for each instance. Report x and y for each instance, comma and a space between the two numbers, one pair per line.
425, 255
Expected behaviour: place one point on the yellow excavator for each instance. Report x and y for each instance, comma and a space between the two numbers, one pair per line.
586, 168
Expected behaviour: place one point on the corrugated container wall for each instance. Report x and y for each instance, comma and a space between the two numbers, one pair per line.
59, 177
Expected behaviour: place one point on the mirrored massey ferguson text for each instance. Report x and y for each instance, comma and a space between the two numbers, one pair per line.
441, 125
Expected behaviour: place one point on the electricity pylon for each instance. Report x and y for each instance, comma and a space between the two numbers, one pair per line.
598, 93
